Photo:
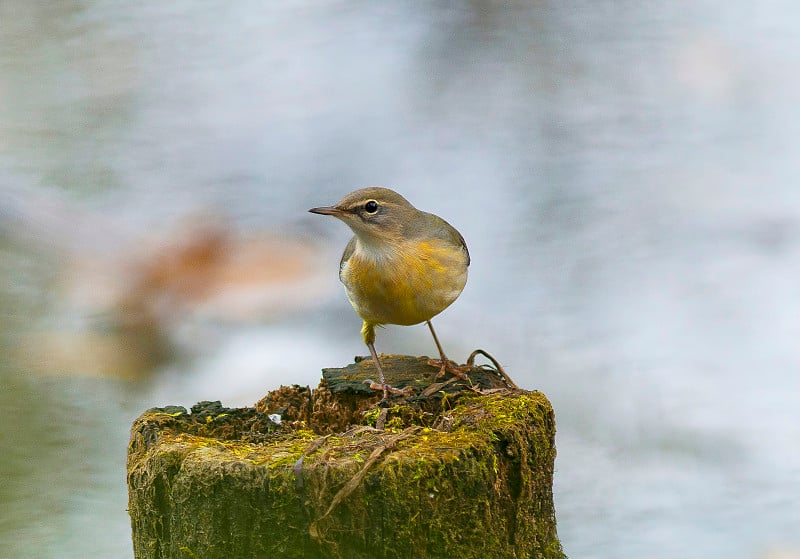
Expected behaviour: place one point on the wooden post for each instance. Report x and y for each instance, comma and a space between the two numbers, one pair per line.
455, 471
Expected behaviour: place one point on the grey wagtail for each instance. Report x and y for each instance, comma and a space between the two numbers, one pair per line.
403, 266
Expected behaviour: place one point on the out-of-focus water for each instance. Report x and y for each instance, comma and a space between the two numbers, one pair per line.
626, 177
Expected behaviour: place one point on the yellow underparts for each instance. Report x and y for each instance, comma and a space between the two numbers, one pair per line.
409, 284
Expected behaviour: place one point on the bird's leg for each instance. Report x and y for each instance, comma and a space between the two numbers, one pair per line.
445, 363
368, 332
383, 385
407, 391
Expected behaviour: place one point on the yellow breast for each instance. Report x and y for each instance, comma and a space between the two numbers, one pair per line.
404, 284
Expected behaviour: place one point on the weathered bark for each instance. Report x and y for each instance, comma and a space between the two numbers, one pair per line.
453, 473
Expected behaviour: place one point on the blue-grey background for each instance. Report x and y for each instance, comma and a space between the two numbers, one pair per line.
625, 175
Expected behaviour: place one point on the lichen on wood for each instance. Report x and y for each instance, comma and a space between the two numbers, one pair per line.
465, 471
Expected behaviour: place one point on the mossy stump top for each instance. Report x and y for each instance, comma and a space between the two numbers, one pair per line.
455, 471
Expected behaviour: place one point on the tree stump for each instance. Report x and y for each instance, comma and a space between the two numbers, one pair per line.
462, 469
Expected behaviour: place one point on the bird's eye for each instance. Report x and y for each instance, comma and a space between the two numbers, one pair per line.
371, 207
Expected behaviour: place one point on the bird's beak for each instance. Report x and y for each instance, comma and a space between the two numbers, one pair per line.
327, 210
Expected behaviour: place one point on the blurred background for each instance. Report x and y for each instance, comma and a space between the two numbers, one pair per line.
625, 175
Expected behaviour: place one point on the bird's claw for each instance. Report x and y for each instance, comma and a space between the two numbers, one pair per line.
447, 366
407, 391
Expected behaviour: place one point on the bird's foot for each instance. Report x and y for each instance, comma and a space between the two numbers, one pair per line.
388, 389
447, 366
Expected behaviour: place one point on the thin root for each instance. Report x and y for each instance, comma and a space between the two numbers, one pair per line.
318, 532
498, 367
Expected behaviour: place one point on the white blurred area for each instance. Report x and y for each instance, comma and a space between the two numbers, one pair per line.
127, 301
625, 177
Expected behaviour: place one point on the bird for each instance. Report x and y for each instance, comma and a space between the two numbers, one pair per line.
403, 266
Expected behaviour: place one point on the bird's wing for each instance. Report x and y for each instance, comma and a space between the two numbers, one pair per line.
348, 252
463, 243
448, 233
